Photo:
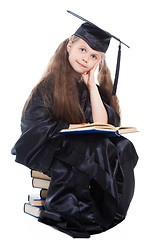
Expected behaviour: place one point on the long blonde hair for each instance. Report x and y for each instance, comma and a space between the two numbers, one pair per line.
59, 86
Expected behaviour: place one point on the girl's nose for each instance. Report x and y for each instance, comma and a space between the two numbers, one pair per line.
85, 58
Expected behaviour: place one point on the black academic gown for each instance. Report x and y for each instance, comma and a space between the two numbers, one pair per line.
92, 176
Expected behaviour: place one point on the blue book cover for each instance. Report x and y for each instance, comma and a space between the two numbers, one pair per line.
88, 131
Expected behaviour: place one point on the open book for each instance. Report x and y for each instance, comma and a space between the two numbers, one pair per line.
99, 128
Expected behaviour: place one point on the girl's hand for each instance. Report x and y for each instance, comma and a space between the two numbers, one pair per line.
88, 77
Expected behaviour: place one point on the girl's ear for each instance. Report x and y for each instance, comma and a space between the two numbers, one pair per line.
69, 45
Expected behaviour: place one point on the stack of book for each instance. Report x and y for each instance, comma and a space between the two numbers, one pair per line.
36, 201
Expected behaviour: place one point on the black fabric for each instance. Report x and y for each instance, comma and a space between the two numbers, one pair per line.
96, 38
92, 176
40, 130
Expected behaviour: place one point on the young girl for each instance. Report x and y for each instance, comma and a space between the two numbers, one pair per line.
92, 178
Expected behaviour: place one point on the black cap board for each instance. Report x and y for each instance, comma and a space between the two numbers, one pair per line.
99, 40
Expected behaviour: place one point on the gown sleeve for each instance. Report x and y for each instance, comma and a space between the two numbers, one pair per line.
40, 136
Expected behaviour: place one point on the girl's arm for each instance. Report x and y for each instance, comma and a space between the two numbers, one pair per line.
99, 112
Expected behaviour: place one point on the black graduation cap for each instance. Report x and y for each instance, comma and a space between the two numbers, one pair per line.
99, 40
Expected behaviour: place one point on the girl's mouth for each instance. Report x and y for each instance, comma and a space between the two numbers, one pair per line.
81, 65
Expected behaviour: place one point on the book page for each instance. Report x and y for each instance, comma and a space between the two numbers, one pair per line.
99, 125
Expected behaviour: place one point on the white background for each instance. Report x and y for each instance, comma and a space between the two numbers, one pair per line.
30, 31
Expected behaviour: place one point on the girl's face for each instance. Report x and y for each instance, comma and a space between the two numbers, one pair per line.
82, 57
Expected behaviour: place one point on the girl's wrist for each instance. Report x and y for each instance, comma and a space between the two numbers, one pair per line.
92, 86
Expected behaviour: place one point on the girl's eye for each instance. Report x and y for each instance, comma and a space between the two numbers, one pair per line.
94, 57
83, 50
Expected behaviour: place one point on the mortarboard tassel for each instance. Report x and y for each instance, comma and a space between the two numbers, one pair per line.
117, 70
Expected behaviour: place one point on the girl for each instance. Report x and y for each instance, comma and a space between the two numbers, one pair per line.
92, 179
